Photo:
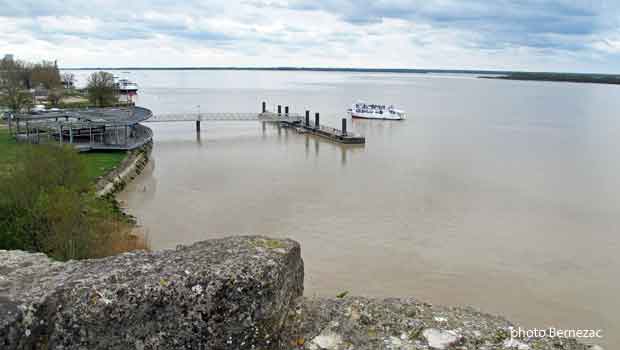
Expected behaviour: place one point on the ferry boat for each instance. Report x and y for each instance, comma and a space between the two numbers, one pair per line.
375, 111
127, 90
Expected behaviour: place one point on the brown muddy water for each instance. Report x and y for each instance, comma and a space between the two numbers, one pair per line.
502, 195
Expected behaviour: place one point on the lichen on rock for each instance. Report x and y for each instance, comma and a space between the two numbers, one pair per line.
217, 294
240, 292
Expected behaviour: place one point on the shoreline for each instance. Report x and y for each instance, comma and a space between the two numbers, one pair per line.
132, 165
117, 179
604, 79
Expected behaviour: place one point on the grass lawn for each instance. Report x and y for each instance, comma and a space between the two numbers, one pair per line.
97, 163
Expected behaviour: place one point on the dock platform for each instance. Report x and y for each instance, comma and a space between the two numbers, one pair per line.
305, 125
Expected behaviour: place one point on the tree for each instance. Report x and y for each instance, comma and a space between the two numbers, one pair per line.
68, 80
55, 95
47, 74
14, 84
102, 90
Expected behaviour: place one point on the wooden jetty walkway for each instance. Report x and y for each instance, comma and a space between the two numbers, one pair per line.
301, 122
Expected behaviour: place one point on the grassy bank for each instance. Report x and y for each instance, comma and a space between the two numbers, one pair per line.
96, 163
48, 203
100, 163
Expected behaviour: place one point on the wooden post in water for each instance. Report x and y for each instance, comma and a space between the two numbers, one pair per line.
307, 118
279, 109
197, 125
286, 111
344, 126
316, 121
264, 106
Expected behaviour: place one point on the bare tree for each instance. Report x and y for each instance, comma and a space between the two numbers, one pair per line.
68, 80
47, 74
102, 91
55, 95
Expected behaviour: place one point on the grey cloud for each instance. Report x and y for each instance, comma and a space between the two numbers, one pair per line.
508, 23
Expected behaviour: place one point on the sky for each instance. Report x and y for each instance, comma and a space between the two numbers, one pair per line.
531, 35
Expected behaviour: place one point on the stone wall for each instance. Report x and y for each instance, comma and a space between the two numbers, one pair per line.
116, 180
232, 293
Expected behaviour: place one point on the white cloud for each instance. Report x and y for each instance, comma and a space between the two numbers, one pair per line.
530, 35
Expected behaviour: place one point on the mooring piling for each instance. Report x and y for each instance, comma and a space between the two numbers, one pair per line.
316, 120
344, 126
307, 118
264, 107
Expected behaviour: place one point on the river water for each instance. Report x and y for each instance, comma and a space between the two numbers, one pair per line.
503, 195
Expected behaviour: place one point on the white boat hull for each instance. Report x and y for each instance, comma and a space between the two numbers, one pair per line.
380, 116
375, 111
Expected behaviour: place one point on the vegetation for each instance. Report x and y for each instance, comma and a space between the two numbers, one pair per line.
100, 163
14, 84
562, 77
18, 77
48, 204
9, 150
68, 80
102, 89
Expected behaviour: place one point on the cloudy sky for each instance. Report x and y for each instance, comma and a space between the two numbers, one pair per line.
550, 35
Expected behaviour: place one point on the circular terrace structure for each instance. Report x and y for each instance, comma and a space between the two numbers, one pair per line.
89, 129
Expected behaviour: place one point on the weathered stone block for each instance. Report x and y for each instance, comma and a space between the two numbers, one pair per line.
231, 293
405, 324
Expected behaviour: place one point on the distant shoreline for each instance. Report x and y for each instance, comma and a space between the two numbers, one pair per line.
594, 78
301, 69
561, 77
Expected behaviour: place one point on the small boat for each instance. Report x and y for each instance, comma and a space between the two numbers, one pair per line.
127, 90
375, 111
126, 86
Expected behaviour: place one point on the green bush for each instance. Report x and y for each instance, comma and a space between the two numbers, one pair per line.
47, 205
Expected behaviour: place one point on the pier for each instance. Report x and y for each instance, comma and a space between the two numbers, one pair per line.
123, 129
300, 122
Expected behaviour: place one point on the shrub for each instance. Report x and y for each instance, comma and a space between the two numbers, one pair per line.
47, 205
